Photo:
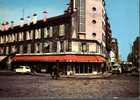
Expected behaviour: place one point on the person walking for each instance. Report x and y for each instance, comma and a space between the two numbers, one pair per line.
55, 72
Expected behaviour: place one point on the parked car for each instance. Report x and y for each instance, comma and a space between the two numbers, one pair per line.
23, 69
116, 68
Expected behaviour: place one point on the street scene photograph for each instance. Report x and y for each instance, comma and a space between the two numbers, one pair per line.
69, 49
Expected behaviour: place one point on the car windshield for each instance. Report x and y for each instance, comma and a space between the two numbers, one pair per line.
20, 67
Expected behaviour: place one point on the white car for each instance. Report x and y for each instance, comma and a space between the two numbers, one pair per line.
23, 69
116, 68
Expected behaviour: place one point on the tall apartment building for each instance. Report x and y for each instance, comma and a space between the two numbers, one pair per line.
134, 55
78, 41
115, 49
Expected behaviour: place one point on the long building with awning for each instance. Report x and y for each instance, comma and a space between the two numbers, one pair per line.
77, 42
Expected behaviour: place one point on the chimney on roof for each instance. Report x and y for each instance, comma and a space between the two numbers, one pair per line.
45, 15
21, 22
34, 19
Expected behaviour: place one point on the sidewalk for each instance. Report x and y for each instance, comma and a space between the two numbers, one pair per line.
105, 75
7, 72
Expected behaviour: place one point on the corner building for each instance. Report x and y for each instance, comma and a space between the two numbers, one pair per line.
77, 42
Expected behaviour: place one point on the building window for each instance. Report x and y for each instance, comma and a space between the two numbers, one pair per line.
61, 46
94, 8
50, 31
6, 38
38, 47
21, 49
54, 46
45, 32
7, 50
46, 47
13, 49
80, 5
1, 50
55, 30
29, 35
37, 33
21, 36
29, 48
61, 30
25, 48
94, 21
84, 47
15, 37
94, 34
1, 39
98, 50
10, 38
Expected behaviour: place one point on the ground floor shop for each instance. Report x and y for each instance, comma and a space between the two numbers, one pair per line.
66, 64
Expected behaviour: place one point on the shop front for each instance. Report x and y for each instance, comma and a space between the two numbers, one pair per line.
68, 64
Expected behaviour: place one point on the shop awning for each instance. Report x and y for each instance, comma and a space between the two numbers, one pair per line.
60, 58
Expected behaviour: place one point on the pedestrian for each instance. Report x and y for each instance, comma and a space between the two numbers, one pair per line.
103, 68
8, 63
54, 72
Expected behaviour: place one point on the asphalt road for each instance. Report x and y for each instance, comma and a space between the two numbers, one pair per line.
15, 85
